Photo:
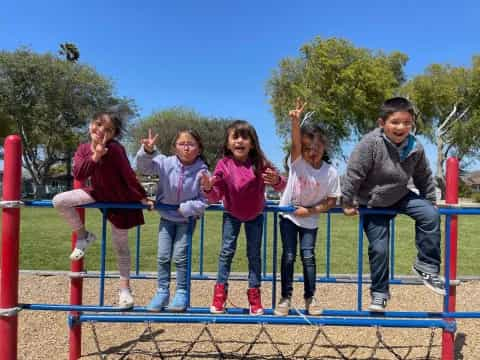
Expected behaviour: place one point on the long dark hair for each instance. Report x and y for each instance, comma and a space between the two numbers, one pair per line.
117, 120
245, 130
193, 133
312, 131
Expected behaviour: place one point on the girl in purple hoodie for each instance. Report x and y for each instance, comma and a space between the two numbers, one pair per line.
179, 184
239, 180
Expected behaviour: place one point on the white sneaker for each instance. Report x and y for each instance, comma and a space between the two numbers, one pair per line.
125, 300
82, 245
283, 307
312, 306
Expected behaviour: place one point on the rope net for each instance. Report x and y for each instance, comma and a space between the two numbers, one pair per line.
213, 341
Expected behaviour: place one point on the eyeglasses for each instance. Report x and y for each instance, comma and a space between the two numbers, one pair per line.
190, 145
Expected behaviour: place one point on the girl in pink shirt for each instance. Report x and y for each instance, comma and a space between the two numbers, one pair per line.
239, 181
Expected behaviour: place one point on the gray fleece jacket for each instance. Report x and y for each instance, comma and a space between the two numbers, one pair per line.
377, 176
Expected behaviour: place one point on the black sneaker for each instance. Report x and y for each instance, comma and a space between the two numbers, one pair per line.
378, 304
434, 282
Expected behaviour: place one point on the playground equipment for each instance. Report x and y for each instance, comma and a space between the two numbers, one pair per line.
79, 313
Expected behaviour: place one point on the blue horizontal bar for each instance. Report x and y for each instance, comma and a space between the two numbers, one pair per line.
266, 319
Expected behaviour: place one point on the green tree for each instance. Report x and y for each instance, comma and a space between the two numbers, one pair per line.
448, 101
48, 100
167, 122
343, 84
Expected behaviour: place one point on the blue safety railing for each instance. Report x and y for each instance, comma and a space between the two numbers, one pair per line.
389, 318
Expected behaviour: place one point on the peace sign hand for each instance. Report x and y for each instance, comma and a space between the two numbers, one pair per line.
149, 143
300, 106
207, 181
99, 147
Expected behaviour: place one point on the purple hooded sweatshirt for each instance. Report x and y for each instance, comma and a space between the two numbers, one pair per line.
178, 184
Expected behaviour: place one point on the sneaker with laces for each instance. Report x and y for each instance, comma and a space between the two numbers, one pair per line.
125, 300
255, 301
219, 299
283, 306
159, 301
179, 301
378, 304
312, 306
434, 282
82, 245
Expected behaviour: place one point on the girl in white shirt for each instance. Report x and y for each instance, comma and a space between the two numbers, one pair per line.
313, 187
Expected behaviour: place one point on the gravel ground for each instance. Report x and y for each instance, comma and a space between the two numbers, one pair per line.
44, 334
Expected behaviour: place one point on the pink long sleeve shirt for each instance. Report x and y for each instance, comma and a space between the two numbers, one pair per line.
242, 192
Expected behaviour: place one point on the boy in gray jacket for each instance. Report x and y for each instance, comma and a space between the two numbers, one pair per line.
378, 173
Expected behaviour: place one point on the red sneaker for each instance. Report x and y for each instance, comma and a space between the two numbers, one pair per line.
255, 301
219, 299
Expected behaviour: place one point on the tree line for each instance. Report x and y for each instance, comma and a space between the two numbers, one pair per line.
47, 99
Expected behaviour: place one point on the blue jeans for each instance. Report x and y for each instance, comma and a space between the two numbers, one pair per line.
230, 231
172, 244
290, 234
427, 240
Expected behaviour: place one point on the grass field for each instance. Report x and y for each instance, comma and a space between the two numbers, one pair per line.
45, 244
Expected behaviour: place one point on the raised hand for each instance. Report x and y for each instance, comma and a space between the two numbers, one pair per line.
149, 143
270, 177
297, 112
350, 211
207, 181
99, 147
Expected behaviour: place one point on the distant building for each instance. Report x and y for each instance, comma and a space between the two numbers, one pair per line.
472, 180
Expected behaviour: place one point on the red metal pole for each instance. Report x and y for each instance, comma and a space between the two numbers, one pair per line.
451, 197
10, 243
76, 290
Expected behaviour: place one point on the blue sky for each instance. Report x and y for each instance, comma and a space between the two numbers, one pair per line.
216, 56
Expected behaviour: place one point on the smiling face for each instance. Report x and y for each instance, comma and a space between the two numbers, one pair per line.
239, 145
187, 148
102, 129
397, 126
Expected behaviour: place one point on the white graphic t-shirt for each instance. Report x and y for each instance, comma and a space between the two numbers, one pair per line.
307, 186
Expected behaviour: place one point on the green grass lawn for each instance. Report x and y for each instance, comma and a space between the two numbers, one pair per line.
45, 244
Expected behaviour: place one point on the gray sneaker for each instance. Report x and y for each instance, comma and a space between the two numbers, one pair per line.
434, 282
283, 307
313, 306
378, 304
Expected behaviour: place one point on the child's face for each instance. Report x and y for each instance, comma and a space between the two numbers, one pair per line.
239, 146
312, 151
397, 126
102, 129
187, 148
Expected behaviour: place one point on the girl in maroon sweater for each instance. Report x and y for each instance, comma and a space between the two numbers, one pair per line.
104, 161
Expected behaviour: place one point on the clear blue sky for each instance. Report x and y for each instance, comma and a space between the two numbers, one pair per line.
216, 56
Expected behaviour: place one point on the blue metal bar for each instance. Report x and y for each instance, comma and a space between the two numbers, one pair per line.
202, 240
191, 222
102, 257
360, 263
392, 248
137, 251
328, 244
448, 224
266, 319
264, 257
274, 262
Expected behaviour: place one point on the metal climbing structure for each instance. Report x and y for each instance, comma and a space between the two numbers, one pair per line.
78, 313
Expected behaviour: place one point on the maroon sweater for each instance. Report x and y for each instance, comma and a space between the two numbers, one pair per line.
111, 180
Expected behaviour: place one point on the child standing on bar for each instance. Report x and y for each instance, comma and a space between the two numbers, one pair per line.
313, 187
179, 184
239, 180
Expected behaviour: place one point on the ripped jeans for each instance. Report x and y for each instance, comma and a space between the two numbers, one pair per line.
291, 233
